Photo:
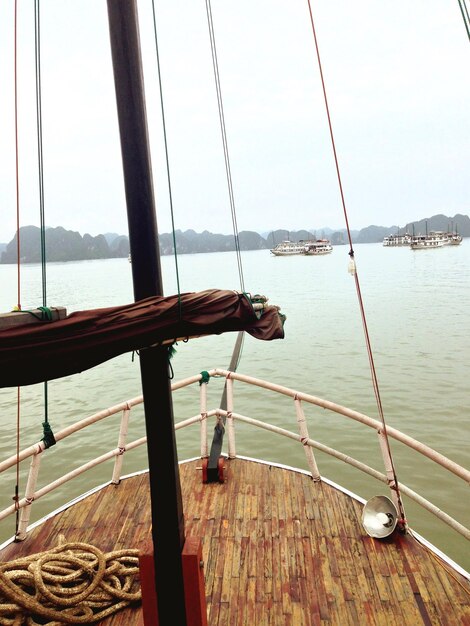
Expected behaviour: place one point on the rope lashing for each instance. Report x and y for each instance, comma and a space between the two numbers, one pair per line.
48, 438
204, 377
256, 299
74, 583
45, 314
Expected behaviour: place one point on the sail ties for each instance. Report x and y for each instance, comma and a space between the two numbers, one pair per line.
48, 438
205, 378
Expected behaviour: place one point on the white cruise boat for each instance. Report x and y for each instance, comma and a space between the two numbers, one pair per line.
397, 240
288, 248
435, 239
455, 239
320, 246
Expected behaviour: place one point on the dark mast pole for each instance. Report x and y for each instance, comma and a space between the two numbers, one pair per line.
165, 490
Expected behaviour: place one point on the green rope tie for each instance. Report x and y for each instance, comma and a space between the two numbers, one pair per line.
204, 377
256, 299
46, 313
48, 439
44, 316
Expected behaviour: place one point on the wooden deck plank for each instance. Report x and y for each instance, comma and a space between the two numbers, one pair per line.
430, 587
278, 550
315, 584
234, 600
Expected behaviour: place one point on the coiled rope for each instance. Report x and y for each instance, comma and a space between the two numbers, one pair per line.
73, 583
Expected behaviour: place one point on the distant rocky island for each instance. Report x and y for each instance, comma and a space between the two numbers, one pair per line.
68, 245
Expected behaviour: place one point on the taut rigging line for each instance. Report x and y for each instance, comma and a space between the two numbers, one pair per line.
465, 16
393, 481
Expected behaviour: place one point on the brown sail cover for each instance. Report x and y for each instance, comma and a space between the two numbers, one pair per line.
47, 350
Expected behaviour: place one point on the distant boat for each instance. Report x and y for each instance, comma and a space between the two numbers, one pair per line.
435, 239
397, 240
320, 246
455, 239
288, 248
310, 247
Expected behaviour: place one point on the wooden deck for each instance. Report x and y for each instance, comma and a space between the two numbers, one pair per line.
279, 550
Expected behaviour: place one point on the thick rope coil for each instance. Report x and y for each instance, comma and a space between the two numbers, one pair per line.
74, 583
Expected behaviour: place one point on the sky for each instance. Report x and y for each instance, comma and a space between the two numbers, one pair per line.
396, 76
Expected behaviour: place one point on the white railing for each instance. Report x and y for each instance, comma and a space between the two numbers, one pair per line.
231, 417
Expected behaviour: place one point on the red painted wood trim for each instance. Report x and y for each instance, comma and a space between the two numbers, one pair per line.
147, 585
194, 586
194, 589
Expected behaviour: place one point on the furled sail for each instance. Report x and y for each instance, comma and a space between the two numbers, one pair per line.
48, 350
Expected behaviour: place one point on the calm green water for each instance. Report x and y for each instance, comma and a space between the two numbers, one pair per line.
417, 306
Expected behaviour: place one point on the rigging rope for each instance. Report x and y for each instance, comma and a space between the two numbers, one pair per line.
219, 430
170, 194
48, 436
18, 403
353, 271
17, 158
224, 141
37, 49
465, 16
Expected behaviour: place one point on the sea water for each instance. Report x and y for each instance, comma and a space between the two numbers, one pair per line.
417, 308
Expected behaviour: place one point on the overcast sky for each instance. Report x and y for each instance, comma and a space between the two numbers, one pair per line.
397, 77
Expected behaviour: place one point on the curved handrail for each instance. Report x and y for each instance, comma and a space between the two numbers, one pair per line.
35, 450
422, 448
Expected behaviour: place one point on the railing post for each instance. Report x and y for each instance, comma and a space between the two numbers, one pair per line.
121, 445
25, 513
230, 423
203, 411
304, 437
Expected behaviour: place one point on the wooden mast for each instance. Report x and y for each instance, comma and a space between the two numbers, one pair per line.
165, 490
